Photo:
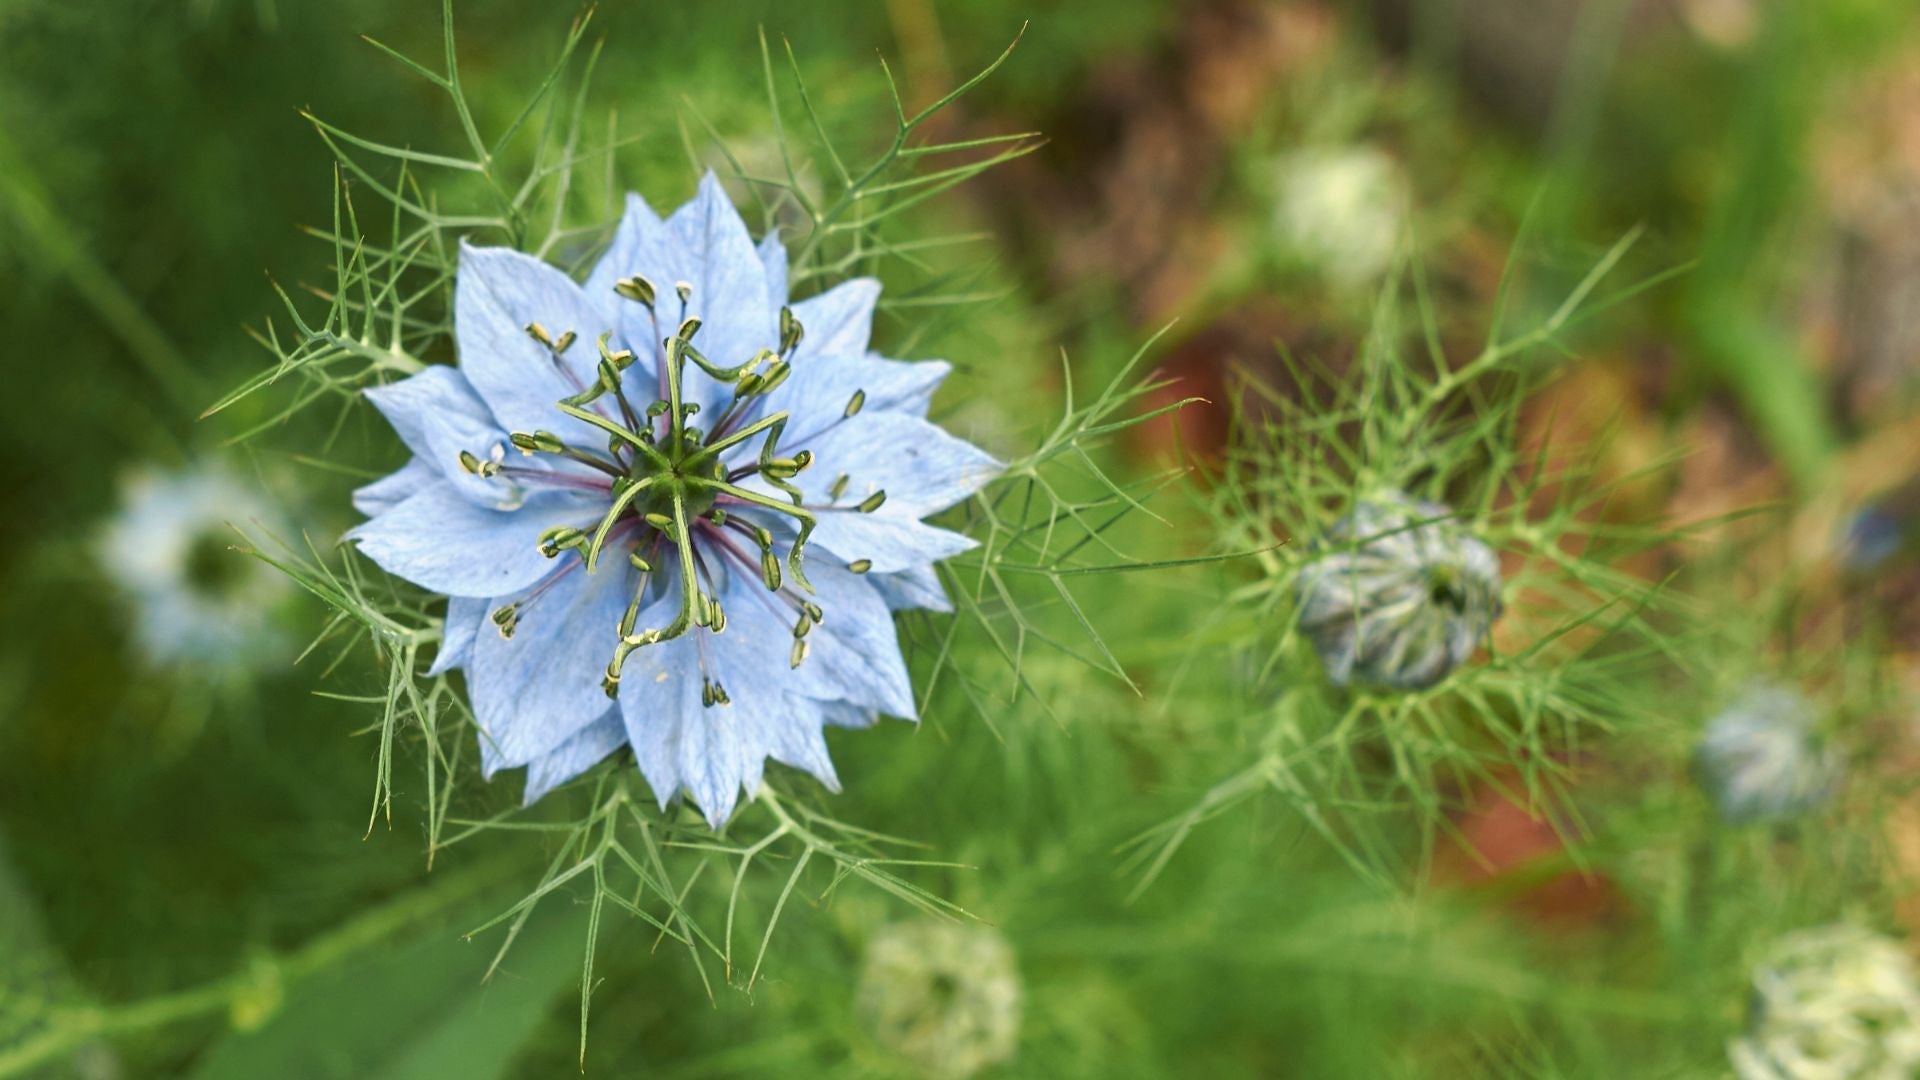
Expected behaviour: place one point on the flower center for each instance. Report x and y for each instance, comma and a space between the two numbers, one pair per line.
675, 502
212, 568
1445, 589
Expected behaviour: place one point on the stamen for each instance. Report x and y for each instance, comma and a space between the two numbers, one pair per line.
860, 566
854, 404
803, 516
559, 538
635, 288
477, 467
790, 332
872, 502
505, 619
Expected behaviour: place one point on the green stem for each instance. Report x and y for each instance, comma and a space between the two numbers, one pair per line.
75, 1028
606, 524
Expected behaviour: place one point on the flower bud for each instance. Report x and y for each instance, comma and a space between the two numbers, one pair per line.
945, 997
1396, 595
1761, 758
1833, 1001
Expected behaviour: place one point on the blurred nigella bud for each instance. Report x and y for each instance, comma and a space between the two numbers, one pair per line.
1339, 210
1398, 594
1834, 1001
1761, 759
944, 996
1872, 537
170, 548
1881, 530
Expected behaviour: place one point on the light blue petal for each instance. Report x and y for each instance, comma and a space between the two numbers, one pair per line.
916, 587
853, 654
715, 753
922, 469
464, 616
535, 690
815, 398
653, 688
679, 743
443, 543
729, 284
437, 414
838, 322
801, 742
845, 714
773, 256
640, 231
391, 490
892, 542
706, 245
639, 226
587, 748
497, 293
858, 644
410, 402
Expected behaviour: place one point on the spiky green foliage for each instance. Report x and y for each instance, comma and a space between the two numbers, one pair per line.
1578, 639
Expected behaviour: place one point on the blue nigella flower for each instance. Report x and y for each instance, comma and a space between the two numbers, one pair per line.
616, 488
1761, 758
170, 549
1398, 593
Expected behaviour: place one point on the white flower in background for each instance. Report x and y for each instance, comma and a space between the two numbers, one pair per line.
1761, 758
942, 995
1339, 211
1832, 1002
169, 548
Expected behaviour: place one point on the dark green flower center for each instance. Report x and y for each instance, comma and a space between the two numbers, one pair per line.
1446, 589
213, 568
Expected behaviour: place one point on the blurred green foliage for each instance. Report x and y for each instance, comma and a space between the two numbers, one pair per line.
187, 885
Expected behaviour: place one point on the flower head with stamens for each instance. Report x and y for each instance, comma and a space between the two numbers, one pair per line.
669, 508
1399, 594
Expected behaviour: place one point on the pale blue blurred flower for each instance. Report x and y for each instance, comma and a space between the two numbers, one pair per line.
944, 996
170, 550
1835, 1002
1761, 758
721, 656
1398, 594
